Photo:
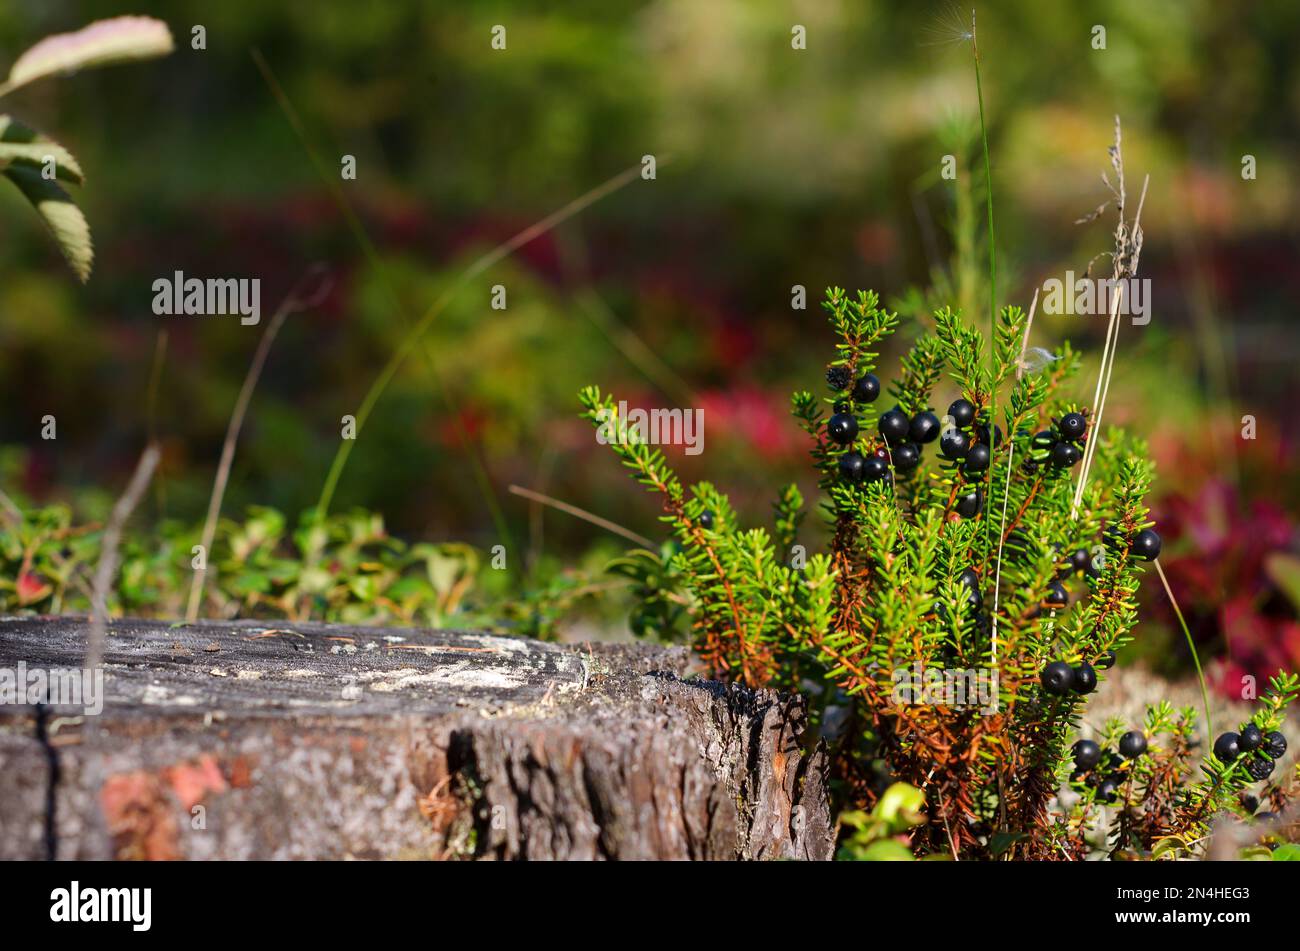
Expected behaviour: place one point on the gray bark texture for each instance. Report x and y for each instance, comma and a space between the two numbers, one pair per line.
257, 740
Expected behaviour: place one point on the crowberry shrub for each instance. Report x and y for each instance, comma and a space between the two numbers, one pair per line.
966, 603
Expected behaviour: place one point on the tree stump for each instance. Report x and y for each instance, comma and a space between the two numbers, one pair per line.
257, 740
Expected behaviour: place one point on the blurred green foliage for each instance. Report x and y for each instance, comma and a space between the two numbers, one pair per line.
880, 835
345, 568
777, 167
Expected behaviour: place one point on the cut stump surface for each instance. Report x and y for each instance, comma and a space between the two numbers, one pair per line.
251, 740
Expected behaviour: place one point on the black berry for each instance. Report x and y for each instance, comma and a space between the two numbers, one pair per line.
1073, 426
1094, 566
1260, 767
1108, 791
851, 464
1087, 754
1249, 803
907, 457
842, 428
977, 459
1132, 744
971, 581
838, 378
1058, 678
970, 505
874, 469
925, 428
706, 520
954, 444
962, 412
982, 430
1064, 455
1057, 596
1146, 544
866, 389
894, 426
1106, 661
1079, 559
1227, 747
1250, 738
1085, 678
1275, 745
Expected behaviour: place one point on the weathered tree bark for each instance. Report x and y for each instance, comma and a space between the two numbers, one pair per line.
255, 740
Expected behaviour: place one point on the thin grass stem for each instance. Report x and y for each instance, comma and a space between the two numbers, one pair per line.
582, 514
1191, 645
292, 302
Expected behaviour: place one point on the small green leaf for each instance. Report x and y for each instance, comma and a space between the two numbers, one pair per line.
1255, 853
1287, 853
364, 587
887, 850
61, 216
900, 807
250, 583
412, 588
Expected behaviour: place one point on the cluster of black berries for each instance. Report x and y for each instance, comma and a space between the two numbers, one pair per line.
1060, 445
1057, 597
1100, 768
903, 436
1146, 545
966, 441
1262, 751
1059, 678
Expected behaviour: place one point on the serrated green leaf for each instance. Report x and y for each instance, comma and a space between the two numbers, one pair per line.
61, 216
21, 145
103, 42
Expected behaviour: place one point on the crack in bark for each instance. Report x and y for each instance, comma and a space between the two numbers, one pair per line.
51, 835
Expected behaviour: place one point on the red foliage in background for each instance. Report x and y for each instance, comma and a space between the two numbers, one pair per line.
1232, 566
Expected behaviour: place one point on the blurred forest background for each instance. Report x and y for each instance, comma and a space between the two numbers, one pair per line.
776, 167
